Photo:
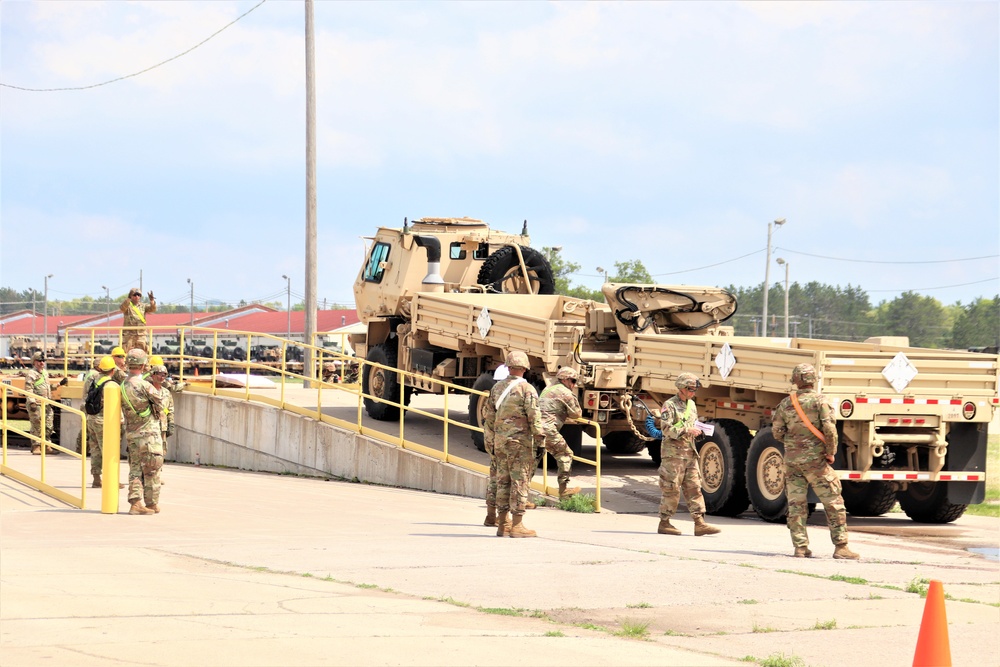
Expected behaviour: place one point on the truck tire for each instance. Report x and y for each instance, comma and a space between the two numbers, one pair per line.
484, 382
501, 271
623, 442
927, 502
381, 383
868, 498
653, 447
723, 468
765, 475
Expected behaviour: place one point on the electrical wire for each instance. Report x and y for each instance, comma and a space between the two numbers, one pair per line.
129, 76
875, 261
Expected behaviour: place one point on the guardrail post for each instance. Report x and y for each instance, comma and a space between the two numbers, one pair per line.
111, 448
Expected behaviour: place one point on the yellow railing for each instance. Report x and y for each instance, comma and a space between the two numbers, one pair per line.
41, 482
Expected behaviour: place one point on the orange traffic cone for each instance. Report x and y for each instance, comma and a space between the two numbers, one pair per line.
933, 649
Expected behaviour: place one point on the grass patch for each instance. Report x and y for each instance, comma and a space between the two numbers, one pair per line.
848, 580
918, 585
634, 629
674, 633
584, 503
763, 628
782, 660
502, 611
452, 601
746, 602
591, 626
825, 625
639, 605
554, 633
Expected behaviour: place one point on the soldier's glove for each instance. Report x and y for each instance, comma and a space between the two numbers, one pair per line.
170, 430
151, 297
64, 382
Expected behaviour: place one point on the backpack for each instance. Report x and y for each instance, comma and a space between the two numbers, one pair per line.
95, 398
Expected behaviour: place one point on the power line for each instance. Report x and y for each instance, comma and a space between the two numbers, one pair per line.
874, 261
129, 76
926, 289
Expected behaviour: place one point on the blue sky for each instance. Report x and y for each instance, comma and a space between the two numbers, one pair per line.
671, 133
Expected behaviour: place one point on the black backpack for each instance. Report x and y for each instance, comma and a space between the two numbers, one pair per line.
95, 397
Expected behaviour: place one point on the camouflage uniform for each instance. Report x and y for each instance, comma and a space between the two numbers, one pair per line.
679, 459
134, 315
515, 426
37, 382
805, 464
95, 424
558, 404
142, 407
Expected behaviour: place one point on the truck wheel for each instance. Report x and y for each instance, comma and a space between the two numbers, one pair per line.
623, 442
653, 447
927, 502
477, 403
868, 498
501, 272
723, 468
765, 474
381, 384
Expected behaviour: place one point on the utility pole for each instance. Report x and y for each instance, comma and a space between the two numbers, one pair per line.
289, 281
192, 300
45, 318
310, 304
107, 302
781, 261
767, 272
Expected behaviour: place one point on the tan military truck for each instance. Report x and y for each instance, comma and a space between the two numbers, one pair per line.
445, 299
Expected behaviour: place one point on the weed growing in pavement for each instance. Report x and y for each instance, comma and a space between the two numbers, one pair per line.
502, 611
554, 633
763, 628
875, 596
674, 633
639, 605
634, 629
918, 585
782, 660
585, 503
591, 626
746, 602
452, 601
366, 585
848, 580
825, 625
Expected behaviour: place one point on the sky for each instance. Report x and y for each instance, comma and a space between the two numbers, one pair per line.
669, 132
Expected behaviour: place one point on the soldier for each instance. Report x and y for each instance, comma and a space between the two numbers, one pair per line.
95, 423
36, 380
679, 458
513, 417
134, 315
558, 403
120, 373
142, 407
158, 378
808, 454
500, 374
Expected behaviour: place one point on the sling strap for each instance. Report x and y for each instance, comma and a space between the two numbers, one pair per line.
138, 313
805, 420
506, 391
145, 413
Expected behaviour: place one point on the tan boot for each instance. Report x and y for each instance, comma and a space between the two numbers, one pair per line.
97, 482
491, 515
843, 553
565, 491
155, 508
666, 529
36, 449
702, 528
530, 505
137, 508
518, 530
503, 524
803, 552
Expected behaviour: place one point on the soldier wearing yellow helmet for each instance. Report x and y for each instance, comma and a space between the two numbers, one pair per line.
96, 379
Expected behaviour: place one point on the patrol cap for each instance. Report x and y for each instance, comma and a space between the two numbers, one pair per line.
687, 381
501, 373
517, 359
136, 357
567, 373
38, 356
107, 364
804, 374
118, 352
134, 291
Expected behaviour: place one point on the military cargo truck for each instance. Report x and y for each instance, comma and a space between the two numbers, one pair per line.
446, 298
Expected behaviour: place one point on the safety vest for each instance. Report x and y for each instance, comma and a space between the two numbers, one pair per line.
138, 313
145, 413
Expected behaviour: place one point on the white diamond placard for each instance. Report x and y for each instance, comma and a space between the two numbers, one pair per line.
899, 372
484, 322
725, 361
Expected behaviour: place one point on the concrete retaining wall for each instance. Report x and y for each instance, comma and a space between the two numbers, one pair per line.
251, 436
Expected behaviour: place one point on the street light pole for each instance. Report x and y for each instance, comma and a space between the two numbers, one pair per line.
604, 271
781, 261
289, 290
107, 302
767, 271
45, 319
192, 300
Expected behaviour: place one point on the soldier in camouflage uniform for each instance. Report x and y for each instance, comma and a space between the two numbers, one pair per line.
807, 462
142, 407
500, 374
558, 403
36, 380
134, 315
679, 458
95, 423
513, 417
158, 378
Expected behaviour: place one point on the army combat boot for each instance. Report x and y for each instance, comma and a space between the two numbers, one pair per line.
36, 449
503, 524
843, 553
155, 508
97, 482
137, 508
803, 552
491, 515
565, 492
702, 528
530, 505
518, 530
665, 528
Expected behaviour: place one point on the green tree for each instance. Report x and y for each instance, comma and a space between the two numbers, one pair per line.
631, 271
918, 317
977, 324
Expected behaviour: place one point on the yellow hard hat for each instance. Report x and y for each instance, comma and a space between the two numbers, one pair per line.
107, 364
118, 352
155, 360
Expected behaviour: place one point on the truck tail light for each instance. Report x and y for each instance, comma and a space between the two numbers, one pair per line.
604, 402
969, 410
846, 408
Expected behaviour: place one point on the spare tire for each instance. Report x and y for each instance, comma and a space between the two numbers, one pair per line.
501, 272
